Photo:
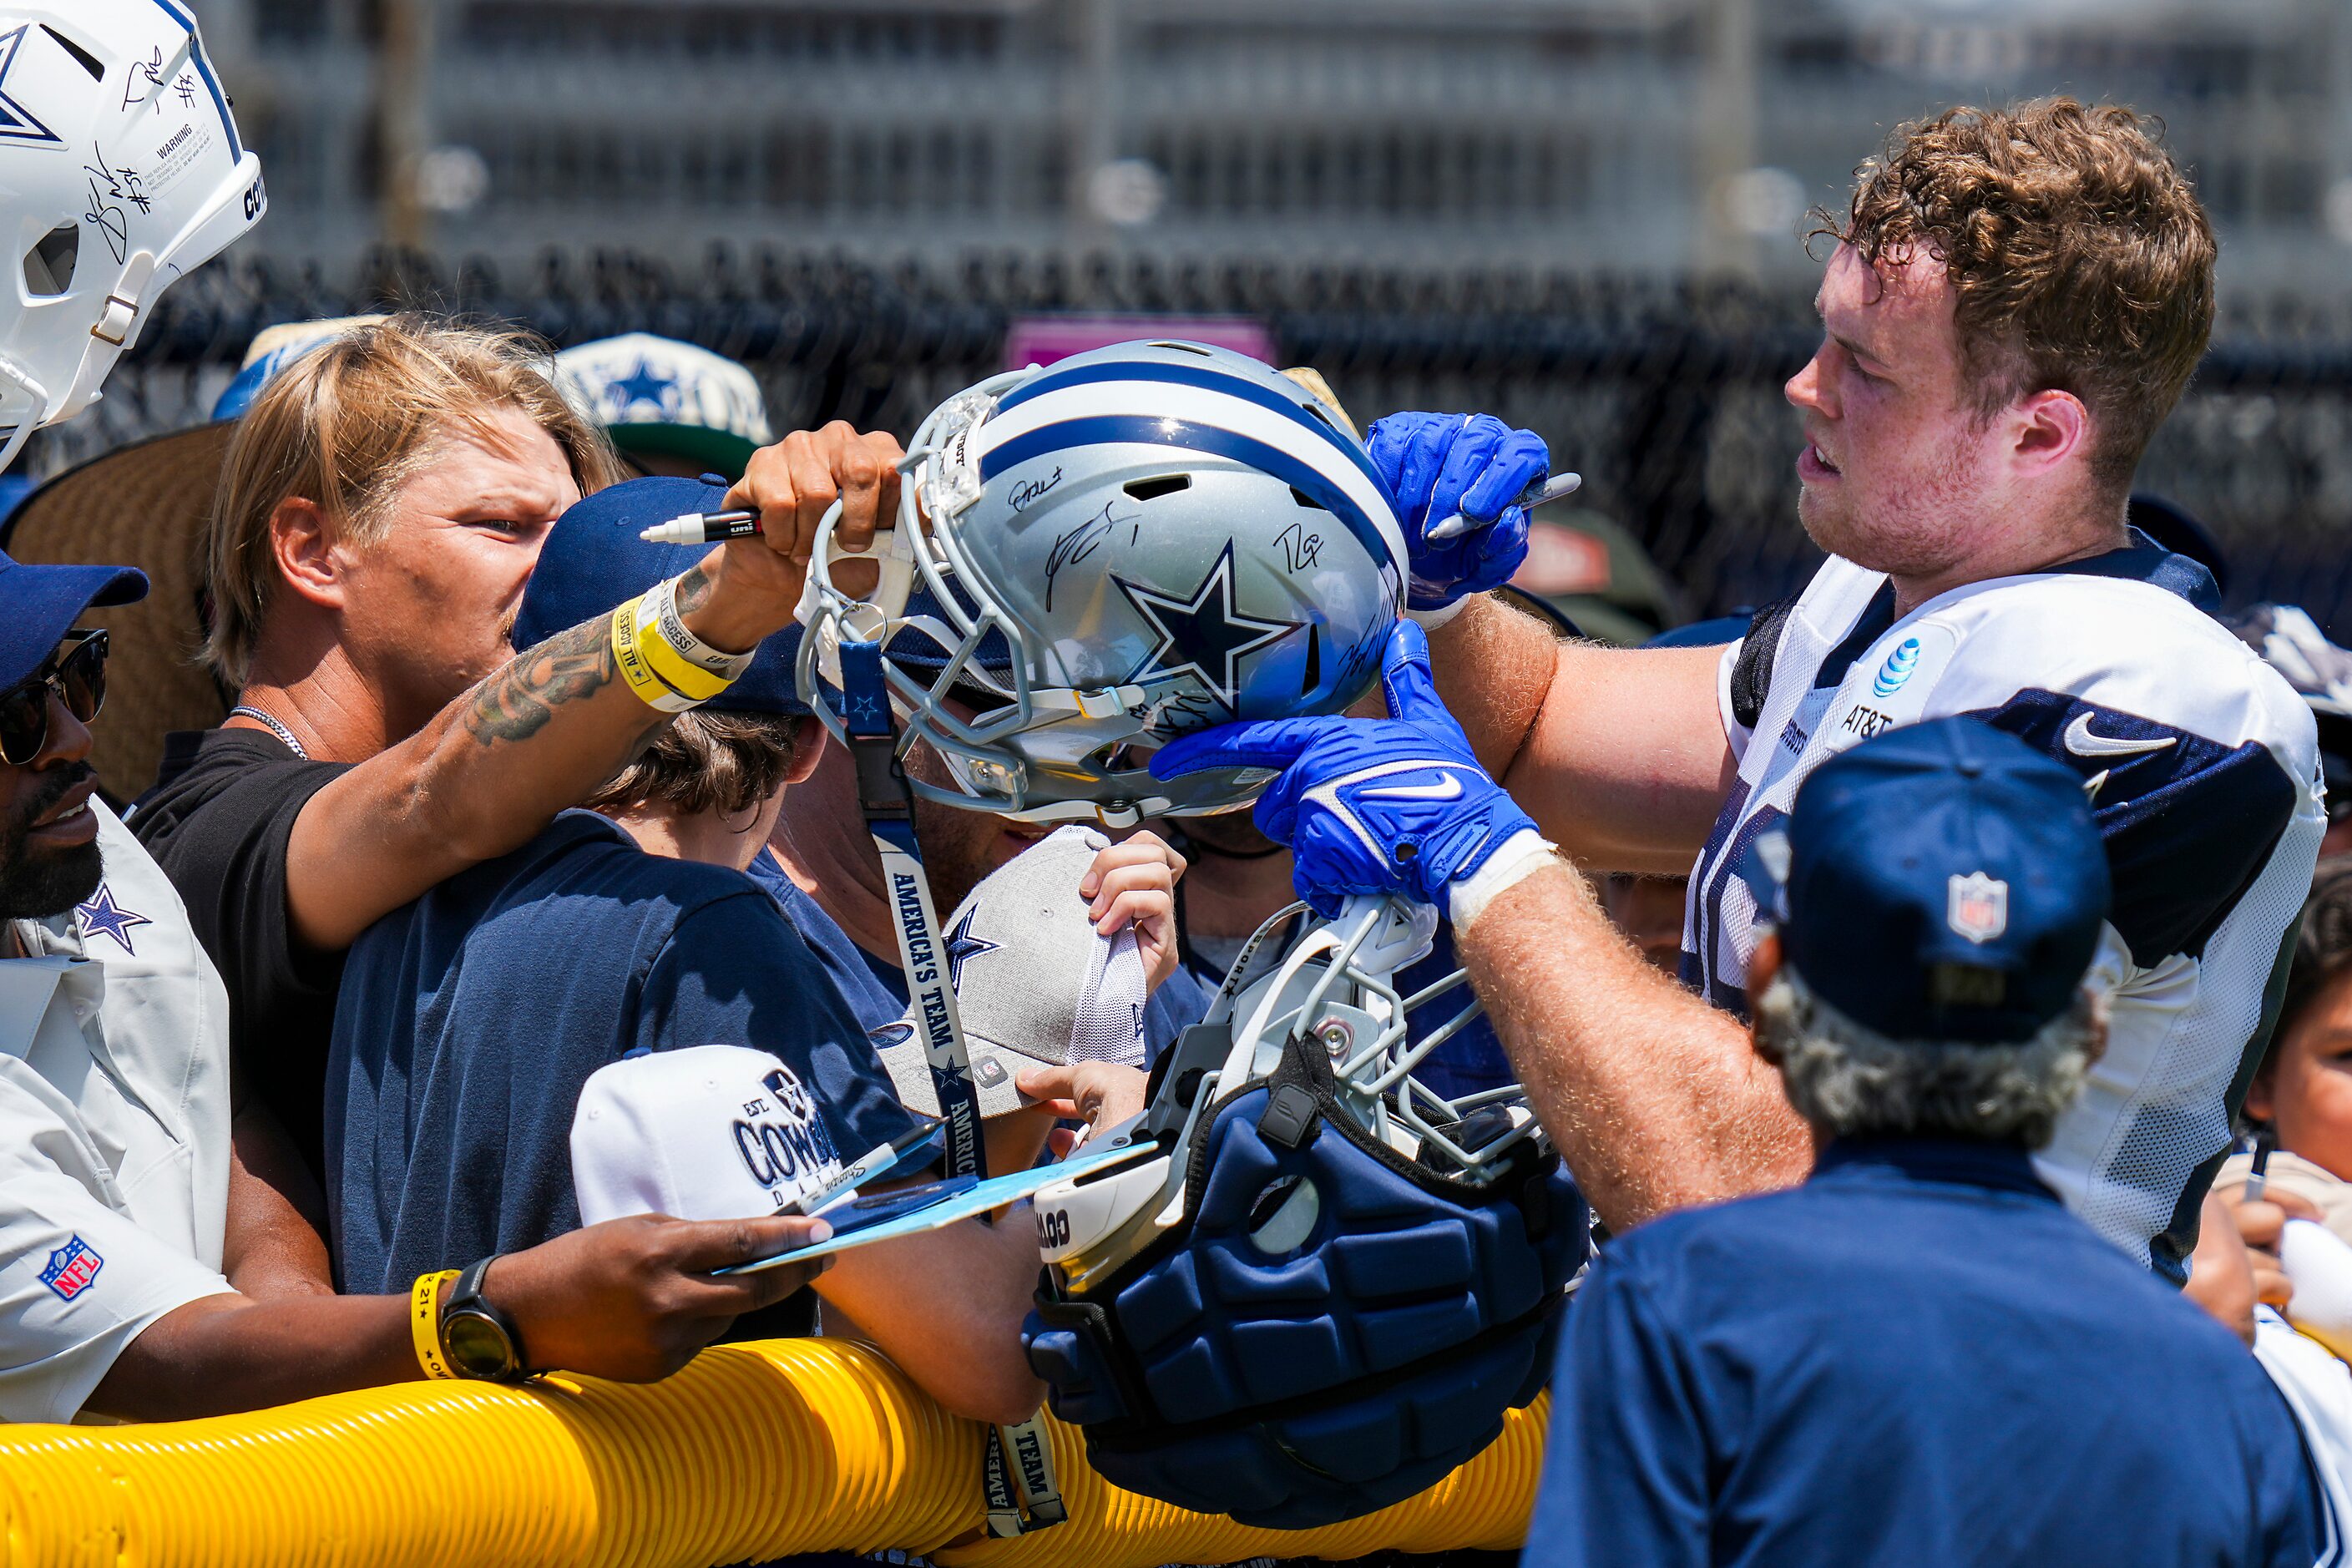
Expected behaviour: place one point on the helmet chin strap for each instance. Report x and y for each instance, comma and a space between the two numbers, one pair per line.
36, 406
1018, 1477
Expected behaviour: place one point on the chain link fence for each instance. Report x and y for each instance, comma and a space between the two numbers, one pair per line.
1667, 398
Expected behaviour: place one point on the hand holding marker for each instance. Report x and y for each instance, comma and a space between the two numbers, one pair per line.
700, 528
1454, 525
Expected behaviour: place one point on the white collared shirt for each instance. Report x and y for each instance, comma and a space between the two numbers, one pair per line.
114, 1132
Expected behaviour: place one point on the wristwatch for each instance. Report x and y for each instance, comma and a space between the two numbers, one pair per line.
477, 1339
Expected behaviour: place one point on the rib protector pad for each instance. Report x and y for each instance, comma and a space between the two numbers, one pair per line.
1296, 1386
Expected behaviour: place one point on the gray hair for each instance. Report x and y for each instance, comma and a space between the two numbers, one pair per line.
1849, 1080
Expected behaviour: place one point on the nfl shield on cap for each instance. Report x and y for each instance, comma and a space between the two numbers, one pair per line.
706, 1132
1035, 985
1941, 882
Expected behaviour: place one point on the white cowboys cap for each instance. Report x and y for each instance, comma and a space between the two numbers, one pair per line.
1126, 546
1035, 985
706, 1132
124, 172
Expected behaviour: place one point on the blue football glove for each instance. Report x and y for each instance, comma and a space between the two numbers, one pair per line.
1438, 464
1394, 806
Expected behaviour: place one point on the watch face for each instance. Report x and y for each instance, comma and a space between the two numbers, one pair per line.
477, 1346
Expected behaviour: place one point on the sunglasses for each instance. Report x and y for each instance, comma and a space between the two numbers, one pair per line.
75, 674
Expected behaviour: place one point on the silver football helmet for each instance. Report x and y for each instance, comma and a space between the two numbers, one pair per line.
1332, 986
122, 171
1096, 557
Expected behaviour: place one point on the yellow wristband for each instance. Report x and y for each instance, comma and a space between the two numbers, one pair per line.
424, 1321
629, 655
688, 679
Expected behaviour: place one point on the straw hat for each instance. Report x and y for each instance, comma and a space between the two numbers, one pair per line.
146, 505
143, 505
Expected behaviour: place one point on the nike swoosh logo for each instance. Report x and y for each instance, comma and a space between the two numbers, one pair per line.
1448, 789
2083, 744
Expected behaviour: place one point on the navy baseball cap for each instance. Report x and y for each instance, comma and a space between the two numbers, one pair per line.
39, 605
1945, 881
594, 562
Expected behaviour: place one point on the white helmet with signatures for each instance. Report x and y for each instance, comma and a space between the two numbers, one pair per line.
1094, 558
123, 171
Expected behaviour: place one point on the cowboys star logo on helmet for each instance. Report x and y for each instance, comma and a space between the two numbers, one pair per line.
15, 122
124, 170
1204, 636
1094, 558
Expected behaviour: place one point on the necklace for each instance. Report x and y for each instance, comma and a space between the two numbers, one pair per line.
274, 727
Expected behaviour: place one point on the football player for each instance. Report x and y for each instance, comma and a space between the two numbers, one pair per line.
2013, 303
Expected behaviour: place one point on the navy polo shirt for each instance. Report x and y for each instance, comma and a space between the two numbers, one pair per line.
469, 1020
1918, 1357
878, 987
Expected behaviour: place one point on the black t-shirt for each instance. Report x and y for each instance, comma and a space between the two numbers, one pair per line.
218, 821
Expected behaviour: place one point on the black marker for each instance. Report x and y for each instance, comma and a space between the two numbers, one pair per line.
2264, 1141
703, 528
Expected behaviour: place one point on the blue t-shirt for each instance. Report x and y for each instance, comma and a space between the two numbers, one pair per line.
469, 1020
1918, 1357
878, 989
847, 962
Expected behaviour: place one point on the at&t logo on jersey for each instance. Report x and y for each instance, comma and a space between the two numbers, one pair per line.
72, 1268
1897, 667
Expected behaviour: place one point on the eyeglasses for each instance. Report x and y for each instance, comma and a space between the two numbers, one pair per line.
76, 674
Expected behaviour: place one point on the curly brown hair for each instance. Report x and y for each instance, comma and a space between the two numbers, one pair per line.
2080, 255
709, 760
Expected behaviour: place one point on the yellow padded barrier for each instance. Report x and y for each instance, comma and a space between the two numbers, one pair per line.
752, 1452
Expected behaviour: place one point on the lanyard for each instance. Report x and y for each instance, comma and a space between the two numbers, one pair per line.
1017, 1467
888, 803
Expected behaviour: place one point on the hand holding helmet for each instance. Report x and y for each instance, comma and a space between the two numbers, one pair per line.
1399, 805
1435, 465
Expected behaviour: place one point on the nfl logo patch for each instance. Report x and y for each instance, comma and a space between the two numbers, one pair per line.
1979, 907
72, 1268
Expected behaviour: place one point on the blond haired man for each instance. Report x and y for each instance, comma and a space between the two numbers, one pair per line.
2014, 302
383, 506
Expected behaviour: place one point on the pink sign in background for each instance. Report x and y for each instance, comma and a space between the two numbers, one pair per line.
1042, 339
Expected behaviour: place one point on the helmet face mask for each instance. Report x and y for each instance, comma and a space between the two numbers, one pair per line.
1123, 548
124, 171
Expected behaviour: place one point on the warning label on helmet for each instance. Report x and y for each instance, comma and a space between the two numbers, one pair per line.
179, 152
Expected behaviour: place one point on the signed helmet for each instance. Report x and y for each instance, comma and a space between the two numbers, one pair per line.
123, 171
1096, 557
1327, 1284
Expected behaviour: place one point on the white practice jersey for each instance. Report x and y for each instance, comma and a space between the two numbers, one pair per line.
114, 1131
2201, 767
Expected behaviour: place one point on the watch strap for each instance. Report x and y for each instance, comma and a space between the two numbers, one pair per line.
466, 1295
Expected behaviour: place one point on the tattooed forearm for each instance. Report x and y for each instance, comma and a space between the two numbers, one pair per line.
515, 702
693, 589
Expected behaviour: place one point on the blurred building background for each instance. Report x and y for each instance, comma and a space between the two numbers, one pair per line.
1650, 137
1584, 215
